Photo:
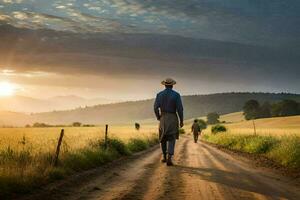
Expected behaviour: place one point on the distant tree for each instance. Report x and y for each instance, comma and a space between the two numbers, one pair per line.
218, 128
40, 125
251, 109
265, 110
275, 109
62, 125
202, 124
76, 124
27, 126
213, 118
285, 108
137, 126
88, 125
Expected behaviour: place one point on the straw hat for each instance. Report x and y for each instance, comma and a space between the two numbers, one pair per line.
168, 81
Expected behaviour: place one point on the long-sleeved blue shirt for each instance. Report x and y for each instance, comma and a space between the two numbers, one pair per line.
168, 101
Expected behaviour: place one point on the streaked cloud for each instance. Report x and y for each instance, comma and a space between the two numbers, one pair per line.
234, 43
260, 22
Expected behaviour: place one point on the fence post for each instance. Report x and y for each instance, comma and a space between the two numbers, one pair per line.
254, 127
106, 130
58, 146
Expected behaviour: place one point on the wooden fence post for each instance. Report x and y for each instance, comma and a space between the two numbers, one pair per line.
254, 127
58, 146
105, 139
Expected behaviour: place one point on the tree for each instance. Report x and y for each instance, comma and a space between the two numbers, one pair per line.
88, 125
265, 110
40, 125
137, 126
218, 128
76, 124
251, 109
202, 124
286, 108
213, 118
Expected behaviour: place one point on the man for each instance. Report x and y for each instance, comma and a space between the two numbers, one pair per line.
167, 108
196, 130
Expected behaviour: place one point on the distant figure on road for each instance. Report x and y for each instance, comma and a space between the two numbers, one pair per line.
196, 129
168, 108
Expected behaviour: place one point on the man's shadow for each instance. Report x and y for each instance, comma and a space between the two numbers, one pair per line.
234, 180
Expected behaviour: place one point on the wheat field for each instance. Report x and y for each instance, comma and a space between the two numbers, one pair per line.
235, 123
26, 154
45, 139
277, 126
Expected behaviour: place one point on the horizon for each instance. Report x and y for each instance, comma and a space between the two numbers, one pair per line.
152, 97
57, 103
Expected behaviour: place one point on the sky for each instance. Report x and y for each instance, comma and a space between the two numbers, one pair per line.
122, 49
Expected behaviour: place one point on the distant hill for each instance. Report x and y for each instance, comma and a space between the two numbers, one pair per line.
194, 106
8, 118
33, 105
233, 117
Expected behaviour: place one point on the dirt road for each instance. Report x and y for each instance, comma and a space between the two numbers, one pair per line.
200, 172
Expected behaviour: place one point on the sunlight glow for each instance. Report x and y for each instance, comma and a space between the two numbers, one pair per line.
7, 89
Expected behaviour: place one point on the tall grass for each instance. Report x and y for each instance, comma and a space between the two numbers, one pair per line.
284, 150
23, 169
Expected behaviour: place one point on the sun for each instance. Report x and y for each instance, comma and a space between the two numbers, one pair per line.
7, 89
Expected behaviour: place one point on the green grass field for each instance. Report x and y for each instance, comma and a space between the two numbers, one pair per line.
276, 138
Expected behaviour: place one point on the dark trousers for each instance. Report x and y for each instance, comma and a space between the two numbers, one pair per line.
196, 135
168, 145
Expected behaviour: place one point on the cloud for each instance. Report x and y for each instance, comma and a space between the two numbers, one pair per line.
19, 15
5, 18
12, 1
239, 41
143, 56
61, 7
252, 22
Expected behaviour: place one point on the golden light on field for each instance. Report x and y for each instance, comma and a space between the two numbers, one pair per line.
7, 89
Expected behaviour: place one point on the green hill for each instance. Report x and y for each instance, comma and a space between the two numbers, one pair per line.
194, 106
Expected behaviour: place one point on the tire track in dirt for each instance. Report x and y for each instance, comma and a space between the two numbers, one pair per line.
130, 178
222, 176
196, 187
143, 184
245, 178
160, 181
174, 185
243, 182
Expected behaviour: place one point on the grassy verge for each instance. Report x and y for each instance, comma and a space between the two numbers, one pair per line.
283, 150
28, 175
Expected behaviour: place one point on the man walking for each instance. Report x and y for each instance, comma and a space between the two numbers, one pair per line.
168, 108
196, 130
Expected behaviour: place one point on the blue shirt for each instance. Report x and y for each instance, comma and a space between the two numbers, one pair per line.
168, 101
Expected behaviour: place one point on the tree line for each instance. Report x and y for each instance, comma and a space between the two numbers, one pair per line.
44, 125
254, 110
